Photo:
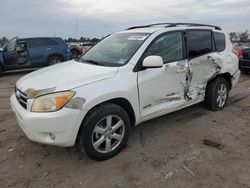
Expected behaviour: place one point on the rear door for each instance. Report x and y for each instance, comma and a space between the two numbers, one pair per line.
38, 49
203, 60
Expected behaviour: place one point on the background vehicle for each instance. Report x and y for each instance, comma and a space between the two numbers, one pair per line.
244, 63
33, 53
78, 49
127, 78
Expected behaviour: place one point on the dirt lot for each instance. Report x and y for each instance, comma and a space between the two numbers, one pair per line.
164, 152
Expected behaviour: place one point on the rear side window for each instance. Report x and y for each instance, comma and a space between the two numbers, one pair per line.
41, 42
220, 41
199, 42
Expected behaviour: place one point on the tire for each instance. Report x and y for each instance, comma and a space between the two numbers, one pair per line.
216, 94
1, 71
55, 60
94, 136
75, 54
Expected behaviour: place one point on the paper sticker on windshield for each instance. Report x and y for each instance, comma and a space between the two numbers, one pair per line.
137, 37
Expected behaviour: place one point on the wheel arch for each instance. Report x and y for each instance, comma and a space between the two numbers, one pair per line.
119, 101
55, 54
227, 76
75, 49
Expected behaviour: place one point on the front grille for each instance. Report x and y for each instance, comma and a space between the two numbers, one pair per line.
21, 98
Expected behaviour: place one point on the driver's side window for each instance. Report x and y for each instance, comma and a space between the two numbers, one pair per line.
11, 46
168, 46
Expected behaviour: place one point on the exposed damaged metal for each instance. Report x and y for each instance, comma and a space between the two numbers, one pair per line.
187, 85
32, 93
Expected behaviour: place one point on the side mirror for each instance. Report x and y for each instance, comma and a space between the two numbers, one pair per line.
152, 62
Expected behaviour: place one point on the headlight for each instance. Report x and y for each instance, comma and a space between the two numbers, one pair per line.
51, 102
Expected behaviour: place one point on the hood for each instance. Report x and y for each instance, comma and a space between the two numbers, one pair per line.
64, 76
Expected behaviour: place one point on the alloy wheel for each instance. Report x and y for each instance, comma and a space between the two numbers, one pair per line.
108, 134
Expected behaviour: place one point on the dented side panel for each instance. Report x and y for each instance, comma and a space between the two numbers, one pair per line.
203, 69
163, 88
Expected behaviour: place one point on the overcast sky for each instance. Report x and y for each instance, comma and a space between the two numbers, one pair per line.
96, 18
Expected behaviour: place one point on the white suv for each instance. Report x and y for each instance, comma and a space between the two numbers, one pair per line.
127, 78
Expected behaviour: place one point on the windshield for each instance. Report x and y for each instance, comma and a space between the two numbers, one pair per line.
115, 50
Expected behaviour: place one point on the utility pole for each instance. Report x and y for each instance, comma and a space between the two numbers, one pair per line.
76, 28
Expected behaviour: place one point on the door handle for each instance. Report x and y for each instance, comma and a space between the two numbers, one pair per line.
48, 49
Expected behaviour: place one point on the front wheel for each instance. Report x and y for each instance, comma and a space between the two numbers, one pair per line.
217, 94
104, 132
55, 60
75, 54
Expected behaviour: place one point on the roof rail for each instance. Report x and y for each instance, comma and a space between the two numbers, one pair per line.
193, 25
150, 25
174, 25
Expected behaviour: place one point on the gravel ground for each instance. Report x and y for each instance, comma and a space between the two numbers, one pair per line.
164, 152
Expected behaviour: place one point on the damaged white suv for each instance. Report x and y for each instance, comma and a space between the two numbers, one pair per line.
127, 78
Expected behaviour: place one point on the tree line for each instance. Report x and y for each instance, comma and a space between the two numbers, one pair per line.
240, 36
83, 39
4, 40
234, 36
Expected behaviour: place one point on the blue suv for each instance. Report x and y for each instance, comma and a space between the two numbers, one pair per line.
33, 53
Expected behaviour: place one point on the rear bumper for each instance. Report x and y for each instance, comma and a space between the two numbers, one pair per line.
236, 78
63, 124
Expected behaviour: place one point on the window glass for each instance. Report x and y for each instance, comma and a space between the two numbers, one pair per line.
115, 50
51, 42
199, 43
41, 42
220, 41
11, 46
168, 46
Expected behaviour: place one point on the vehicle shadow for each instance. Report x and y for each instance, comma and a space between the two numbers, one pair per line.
17, 73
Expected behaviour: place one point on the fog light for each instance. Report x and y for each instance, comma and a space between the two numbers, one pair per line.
52, 136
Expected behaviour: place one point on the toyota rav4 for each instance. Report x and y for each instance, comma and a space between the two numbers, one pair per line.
127, 78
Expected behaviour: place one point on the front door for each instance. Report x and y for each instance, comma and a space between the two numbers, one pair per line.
10, 56
163, 89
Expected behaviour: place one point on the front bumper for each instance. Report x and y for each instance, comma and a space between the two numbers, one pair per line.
63, 124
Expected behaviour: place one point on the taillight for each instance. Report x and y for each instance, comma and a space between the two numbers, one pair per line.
239, 53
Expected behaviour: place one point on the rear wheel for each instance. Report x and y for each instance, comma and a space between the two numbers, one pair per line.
104, 132
75, 54
55, 60
1, 71
217, 94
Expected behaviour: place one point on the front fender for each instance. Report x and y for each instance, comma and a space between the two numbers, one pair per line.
112, 88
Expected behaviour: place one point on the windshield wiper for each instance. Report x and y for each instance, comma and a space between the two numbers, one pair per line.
90, 61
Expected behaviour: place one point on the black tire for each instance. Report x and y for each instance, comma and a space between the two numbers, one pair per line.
96, 117
75, 54
212, 94
55, 59
1, 71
